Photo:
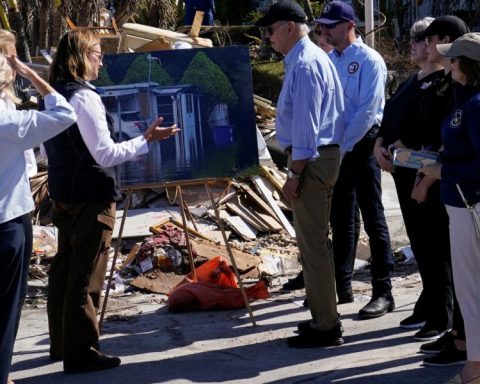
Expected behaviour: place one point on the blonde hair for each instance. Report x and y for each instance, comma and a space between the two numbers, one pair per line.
6, 73
71, 60
7, 37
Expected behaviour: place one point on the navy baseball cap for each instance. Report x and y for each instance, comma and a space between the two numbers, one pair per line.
447, 25
336, 11
284, 10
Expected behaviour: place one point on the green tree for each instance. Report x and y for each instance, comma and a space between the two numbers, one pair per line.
209, 79
138, 72
103, 79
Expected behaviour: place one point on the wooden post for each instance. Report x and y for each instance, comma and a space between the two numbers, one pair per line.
187, 235
230, 254
197, 24
117, 248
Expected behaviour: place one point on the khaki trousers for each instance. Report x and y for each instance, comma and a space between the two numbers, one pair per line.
76, 277
311, 212
465, 247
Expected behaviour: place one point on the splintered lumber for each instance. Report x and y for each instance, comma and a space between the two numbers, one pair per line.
249, 193
157, 281
257, 180
245, 261
262, 222
276, 177
135, 36
244, 230
257, 98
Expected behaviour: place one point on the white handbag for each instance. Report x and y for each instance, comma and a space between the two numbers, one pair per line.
474, 212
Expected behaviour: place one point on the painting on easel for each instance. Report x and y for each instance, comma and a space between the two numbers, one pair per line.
207, 92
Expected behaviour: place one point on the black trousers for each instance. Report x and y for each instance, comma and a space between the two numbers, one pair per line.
15, 252
76, 277
359, 184
427, 228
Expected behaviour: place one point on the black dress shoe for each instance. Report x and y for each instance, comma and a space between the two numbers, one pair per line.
345, 297
93, 361
304, 326
377, 307
55, 357
295, 283
312, 338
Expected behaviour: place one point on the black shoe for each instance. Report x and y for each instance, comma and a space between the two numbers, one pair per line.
412, 322
428, 334
437, 345
377, 307
345, 297
304, 326
54, 357
94, 361
312, 338
450, 355
295, 283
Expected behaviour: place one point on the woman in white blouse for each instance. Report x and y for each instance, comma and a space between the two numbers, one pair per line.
82, 185
19, 130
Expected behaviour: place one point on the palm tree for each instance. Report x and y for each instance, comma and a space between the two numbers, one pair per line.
16, 22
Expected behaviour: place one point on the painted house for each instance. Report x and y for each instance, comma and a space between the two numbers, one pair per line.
135, 106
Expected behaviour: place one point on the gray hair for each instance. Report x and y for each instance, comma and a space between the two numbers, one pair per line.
419, 27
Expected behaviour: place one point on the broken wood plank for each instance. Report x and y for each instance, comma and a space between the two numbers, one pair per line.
275, 177
245, 261
244, 230
248, 216
251, 194
257, 180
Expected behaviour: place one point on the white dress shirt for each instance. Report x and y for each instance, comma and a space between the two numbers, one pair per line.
93, 127
19, 131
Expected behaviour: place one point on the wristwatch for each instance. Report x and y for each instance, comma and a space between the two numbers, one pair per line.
291, 174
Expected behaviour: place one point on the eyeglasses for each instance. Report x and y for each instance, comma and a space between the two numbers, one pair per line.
331, 26
271, 29
417, 39
98, 54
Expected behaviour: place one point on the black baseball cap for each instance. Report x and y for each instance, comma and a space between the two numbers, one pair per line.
283, 10
448, 25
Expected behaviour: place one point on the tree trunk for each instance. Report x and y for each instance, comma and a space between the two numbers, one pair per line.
16, 23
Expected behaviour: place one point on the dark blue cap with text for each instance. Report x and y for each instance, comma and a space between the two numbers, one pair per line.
336, 11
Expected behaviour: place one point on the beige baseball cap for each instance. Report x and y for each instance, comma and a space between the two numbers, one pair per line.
467, 45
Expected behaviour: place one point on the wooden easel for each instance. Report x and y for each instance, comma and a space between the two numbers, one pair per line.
190, 254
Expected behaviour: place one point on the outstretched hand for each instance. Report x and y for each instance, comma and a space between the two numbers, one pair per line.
154, 132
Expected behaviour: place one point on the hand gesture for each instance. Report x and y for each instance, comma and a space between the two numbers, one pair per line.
154, 132
19, 67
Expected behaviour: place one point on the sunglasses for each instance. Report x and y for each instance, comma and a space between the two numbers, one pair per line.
271, 30
417, 39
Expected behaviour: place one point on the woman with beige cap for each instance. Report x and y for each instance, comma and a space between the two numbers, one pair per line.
459, 171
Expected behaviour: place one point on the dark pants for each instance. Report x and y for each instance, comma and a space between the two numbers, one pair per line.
15, 252
427, 229
360, 183
76, 277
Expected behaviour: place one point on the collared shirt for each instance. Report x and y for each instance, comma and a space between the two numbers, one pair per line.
310, 105
93, 127
6, 104
21, 130
363, 74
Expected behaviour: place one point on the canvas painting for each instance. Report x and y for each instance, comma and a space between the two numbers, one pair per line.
207, 92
